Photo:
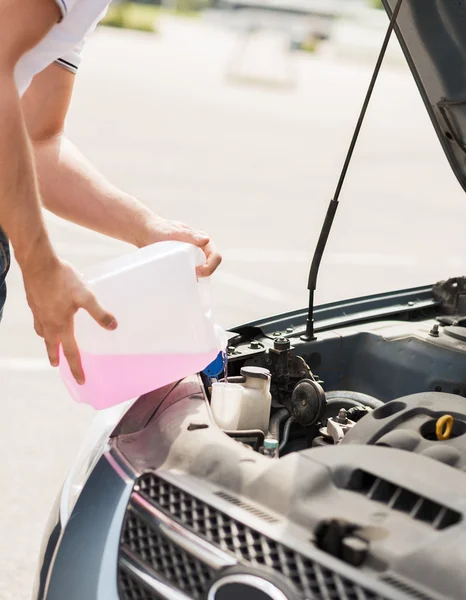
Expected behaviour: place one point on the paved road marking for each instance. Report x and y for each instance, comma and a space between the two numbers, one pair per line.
24, 364
372, 259
260, 255
251, 287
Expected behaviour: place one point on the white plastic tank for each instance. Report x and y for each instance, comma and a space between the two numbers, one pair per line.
238, 406
165, 325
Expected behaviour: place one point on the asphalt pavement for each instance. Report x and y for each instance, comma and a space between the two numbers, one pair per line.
254, 164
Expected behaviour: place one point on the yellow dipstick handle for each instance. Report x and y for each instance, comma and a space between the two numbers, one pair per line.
444, 427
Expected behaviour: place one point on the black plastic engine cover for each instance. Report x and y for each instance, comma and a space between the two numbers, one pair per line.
409, 423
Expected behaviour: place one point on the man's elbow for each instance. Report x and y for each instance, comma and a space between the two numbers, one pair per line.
50, 133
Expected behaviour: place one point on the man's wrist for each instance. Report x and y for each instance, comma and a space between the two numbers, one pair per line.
36, 254
146, 230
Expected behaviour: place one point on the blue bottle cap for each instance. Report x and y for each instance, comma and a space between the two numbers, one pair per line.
215, 367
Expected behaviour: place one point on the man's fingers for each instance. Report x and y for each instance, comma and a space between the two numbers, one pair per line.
200, 238
184, 233
71, 352
52, 345
213, 260
102, 316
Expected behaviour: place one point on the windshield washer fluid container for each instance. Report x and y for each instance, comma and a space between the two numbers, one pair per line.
245, 403
165, 325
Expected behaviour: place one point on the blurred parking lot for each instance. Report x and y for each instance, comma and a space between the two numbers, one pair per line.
254, 165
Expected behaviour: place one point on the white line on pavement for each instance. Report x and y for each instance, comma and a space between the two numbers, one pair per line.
260, 255
251, 287
24, 364
371, 259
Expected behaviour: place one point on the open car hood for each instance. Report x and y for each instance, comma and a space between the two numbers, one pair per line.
432, 34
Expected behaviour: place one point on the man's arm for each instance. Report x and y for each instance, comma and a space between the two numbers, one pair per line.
54, 291
73, 189
20, 213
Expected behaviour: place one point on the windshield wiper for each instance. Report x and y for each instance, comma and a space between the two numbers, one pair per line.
332, 209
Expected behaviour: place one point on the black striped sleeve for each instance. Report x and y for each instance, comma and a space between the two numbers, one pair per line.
62, 6
67, 65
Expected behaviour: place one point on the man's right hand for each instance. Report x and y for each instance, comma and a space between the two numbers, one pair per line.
55, 292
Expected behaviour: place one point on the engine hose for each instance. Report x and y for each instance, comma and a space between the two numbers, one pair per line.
275, 423
347, 399
286, 433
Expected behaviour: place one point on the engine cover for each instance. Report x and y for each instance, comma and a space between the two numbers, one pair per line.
409, 423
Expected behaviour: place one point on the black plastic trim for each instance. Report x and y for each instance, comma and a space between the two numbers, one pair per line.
346, 312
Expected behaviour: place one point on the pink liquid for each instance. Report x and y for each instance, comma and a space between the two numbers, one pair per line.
112, 379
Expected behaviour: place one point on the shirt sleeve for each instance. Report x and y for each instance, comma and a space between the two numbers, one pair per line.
64, 6
71, 60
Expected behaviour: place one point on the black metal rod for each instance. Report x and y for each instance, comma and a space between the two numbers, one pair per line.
333, 206
321, 243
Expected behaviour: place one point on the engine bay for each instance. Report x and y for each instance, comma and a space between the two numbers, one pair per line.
345, 387
356, 465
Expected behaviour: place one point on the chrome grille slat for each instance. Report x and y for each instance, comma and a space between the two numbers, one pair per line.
179, 535
166, 559
139, 580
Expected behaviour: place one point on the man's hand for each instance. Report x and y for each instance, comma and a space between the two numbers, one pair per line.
158, 230
55, 292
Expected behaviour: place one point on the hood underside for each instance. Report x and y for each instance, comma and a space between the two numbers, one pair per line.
432, 34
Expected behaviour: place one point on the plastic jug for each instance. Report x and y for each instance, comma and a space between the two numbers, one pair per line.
165, 326
242, 405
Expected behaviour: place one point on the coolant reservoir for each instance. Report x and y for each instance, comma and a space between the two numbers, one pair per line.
245, 405
165, 326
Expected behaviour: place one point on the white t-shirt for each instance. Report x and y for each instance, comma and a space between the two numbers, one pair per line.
64, 42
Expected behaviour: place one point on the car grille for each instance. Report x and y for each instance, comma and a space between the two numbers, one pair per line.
249, 546
169, 561
133, 589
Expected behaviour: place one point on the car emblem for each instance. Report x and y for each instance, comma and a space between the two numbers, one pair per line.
244, 587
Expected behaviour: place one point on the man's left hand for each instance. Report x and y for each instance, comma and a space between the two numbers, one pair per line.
160, 230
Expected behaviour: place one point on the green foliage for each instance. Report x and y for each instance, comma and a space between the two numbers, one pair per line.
190, 7
143, 17
131, 15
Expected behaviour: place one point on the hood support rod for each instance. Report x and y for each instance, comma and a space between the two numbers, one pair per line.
332, 209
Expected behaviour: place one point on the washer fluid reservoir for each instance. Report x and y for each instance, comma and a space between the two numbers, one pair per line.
244, 405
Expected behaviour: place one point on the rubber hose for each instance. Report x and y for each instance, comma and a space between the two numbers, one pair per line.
275, 422
286, 433
346, 398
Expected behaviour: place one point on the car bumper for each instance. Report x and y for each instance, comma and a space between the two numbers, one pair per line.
79, 561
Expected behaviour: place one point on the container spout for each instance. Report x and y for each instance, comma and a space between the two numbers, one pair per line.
221, 338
